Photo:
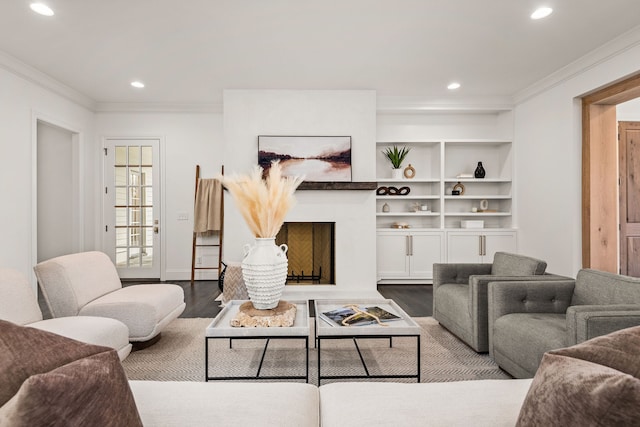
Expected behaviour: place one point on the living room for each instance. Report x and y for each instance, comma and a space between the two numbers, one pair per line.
542, 119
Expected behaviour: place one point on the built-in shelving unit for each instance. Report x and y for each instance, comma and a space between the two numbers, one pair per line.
437, 165
428, 220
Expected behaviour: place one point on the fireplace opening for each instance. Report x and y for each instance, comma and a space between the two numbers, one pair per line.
311, 252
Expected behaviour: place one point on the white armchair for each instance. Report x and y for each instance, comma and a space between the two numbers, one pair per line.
19, 305
87, 284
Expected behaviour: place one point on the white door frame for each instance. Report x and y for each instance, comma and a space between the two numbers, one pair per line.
78, 179
162, 206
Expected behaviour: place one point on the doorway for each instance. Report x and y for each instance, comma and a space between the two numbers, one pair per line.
600, 179
132, 206
58, 193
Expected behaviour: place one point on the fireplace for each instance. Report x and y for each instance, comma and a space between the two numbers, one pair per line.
311, 252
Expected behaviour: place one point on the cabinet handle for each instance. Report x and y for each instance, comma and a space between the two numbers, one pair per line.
407, 251
479, 245
484, 245
410, 245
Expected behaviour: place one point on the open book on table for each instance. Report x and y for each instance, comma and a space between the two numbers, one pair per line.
354, 315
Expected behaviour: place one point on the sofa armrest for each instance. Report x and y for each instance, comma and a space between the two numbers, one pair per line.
588, 321
457, 273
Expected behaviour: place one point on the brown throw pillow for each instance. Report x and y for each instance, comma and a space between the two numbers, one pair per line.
29, 373
88, 392
28, 351
592, 383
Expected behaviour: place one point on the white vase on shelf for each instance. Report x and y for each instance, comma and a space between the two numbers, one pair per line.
264, 270
397, 174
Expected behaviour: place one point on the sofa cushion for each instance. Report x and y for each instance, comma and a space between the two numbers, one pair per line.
92, 391
596, 382
220, 403
36, 365
478, 403
508, 264
525, 337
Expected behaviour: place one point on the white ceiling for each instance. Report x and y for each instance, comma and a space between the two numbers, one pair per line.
189, 51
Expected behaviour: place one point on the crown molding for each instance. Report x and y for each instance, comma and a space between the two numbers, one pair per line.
418, 105
157, 107
31, 74
612, 48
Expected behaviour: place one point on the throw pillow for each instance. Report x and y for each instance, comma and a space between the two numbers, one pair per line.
28, 353
88, 392
593, 383
507, 264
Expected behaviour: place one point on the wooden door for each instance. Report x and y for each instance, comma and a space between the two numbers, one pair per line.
629, 152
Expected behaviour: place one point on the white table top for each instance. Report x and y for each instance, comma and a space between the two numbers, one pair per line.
404, 326
221, 327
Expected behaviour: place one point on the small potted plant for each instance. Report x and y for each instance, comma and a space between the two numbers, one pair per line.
396, 156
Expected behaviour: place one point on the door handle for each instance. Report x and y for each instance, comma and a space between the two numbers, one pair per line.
155, 230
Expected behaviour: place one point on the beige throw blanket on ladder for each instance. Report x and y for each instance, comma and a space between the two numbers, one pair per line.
207, 213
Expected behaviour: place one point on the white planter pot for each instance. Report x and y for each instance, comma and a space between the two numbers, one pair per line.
264, 270
397, 174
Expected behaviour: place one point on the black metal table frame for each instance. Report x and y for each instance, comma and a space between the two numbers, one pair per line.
264, 351
364, 364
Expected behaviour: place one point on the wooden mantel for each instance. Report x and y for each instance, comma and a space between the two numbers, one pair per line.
334, 185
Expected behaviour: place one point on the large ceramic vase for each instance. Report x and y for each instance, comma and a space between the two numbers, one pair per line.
264, 270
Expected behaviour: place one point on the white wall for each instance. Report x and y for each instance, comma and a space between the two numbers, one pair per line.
430, 126
20, 103
628, 111
249, 113
55, 192
548, 163
188, 140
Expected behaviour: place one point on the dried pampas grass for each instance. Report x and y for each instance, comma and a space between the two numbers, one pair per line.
263, 203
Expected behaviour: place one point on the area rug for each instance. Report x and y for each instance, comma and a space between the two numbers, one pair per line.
179, 356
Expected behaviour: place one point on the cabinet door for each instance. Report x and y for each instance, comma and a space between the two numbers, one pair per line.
392, 258
425, 249
464, 247
499, 242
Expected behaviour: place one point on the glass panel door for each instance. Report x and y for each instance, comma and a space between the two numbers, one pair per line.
132, 208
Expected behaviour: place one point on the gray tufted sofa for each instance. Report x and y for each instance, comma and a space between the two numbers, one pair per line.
460, 293
527, 319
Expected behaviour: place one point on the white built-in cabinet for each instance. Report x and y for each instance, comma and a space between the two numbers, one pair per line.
430, 209
478, 246
408, 255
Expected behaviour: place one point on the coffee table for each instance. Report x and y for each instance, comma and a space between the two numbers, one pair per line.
220, 328
404, 327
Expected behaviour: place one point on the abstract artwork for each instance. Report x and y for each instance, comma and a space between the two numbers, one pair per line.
318, 158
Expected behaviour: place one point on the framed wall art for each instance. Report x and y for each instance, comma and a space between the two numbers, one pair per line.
318, 158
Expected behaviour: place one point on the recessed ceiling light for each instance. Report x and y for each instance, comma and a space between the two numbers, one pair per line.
41, 8
541, 12
453, 86
137, 84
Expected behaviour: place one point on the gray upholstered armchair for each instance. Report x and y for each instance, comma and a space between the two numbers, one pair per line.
460, 293
528, 319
